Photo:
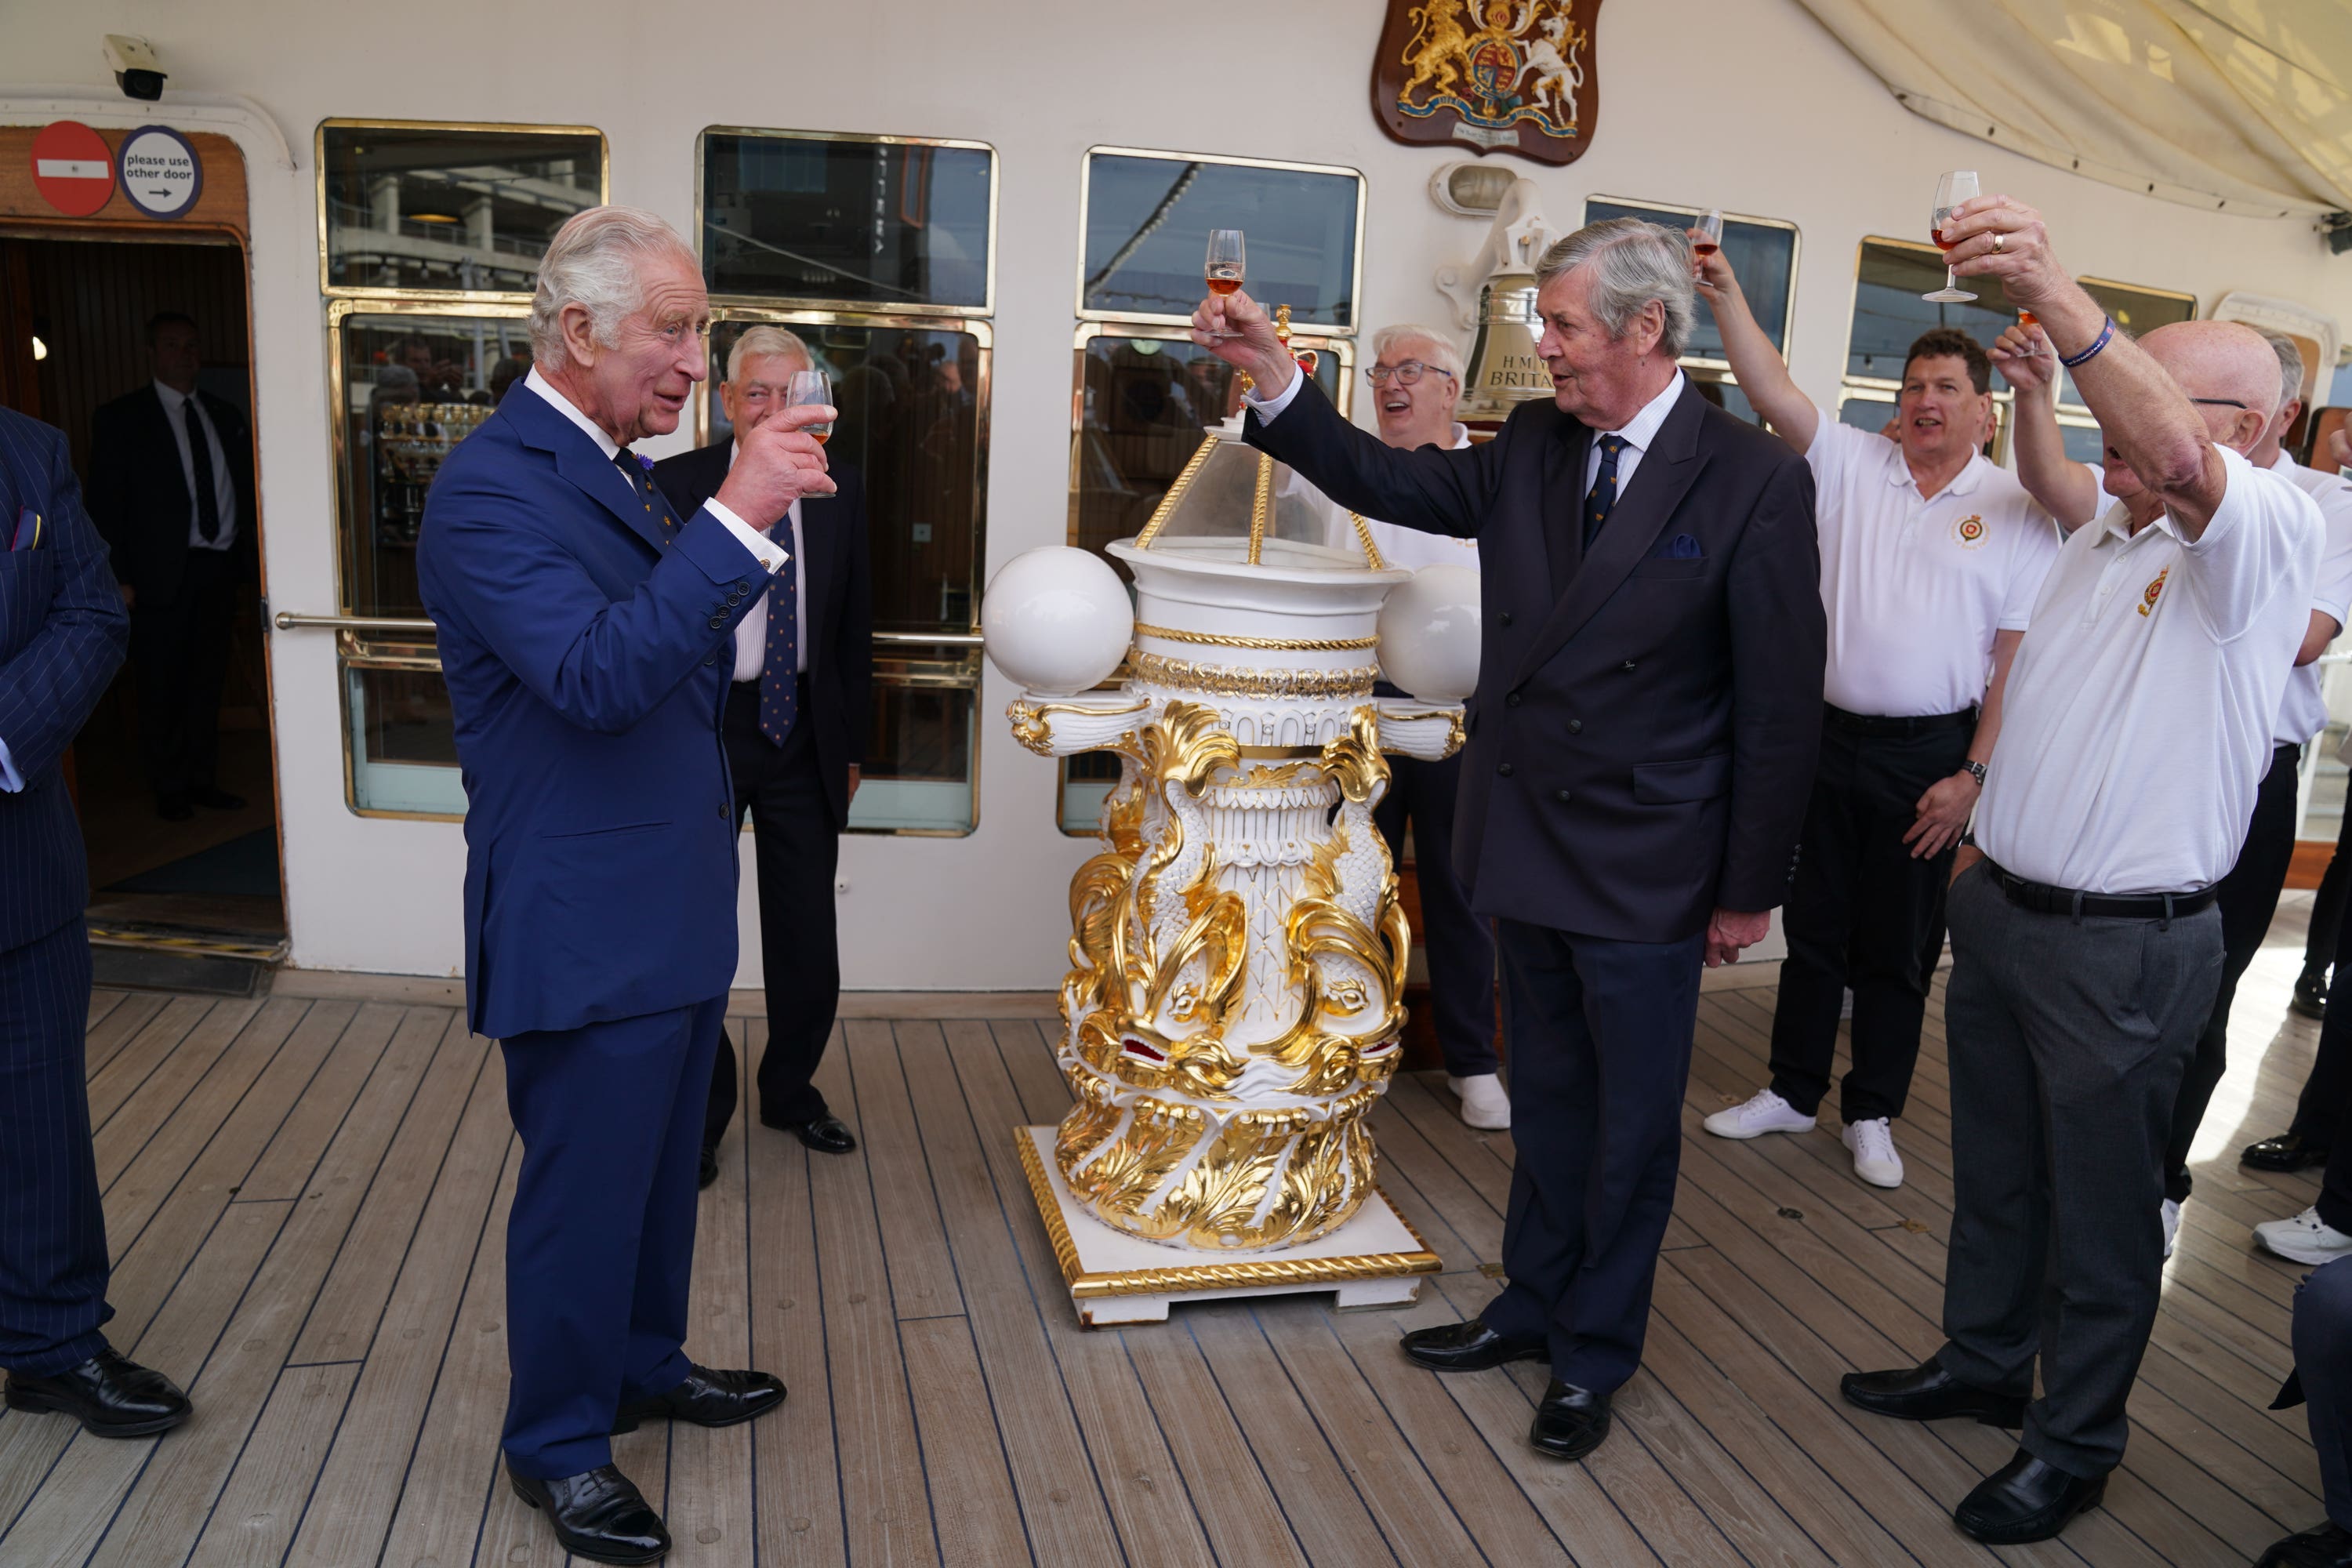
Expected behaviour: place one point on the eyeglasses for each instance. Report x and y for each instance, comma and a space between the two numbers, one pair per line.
1406, 374
2221, 403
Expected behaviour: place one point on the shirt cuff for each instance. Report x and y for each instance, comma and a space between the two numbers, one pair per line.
1269, 409
771, 555
9, 783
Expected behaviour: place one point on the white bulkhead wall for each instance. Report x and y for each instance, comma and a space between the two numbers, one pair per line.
1744, 104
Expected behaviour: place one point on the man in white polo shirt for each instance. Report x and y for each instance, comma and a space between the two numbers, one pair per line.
2085, 945
1931, 556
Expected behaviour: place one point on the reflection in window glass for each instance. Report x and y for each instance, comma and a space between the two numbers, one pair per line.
1147, 233
2082, 443
869, 223
402, 742
1764, 256
1889, 315
1865, 413
426, 207
414, 386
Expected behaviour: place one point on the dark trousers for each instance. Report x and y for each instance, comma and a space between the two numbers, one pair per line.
2068, 1040
2323, 1361
2248, 897
1863, 913
1599, 1036
1460, 946
180, 651
797, 849
601, 1239
2319, 941
2321, 1111
53, 1262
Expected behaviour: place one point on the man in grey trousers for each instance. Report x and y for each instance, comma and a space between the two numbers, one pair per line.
2087, 947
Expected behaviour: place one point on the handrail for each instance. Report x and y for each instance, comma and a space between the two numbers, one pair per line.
294, 620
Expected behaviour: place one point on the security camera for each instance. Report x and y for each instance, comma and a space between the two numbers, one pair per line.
135, 69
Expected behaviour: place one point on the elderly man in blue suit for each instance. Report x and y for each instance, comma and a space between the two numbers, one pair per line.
63, 633
587, 634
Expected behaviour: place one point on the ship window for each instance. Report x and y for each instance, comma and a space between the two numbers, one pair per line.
442, 209
1763, 252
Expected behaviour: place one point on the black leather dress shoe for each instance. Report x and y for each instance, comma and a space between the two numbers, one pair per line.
1928, 1393
2024, 1501
2321, 1546
710, 1171
709, 1397
1467, 1346
218, 800
598, 1514
1569, 1423
827, 1134
111, 1396
2287, 1152
2310, 995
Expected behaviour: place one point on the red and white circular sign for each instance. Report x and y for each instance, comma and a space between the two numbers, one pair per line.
72, 168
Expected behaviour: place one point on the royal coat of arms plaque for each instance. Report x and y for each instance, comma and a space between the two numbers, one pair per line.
1513, 76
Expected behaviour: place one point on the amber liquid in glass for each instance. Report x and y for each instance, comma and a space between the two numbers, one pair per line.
1225, 281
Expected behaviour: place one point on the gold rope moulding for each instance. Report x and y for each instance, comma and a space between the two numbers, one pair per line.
1268, 644
1223, 681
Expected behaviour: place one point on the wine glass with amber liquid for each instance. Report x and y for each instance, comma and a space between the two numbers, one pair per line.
1226, 267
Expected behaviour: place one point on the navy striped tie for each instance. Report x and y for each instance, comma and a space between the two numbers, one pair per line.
779, 692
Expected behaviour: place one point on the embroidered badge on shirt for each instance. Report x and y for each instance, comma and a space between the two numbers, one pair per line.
2147, 594
1969, 531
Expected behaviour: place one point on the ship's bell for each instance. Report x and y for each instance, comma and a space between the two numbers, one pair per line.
1505, 369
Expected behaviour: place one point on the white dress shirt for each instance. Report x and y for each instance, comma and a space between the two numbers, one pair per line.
224, 492
2303, 712
1409, 548
2137, 720
751, 631
1915, 588
771, 555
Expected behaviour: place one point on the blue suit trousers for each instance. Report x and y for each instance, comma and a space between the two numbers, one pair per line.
53, 1263
601, 1240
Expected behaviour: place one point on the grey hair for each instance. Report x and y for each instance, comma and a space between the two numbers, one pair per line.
1633, 263
594, 261
765, 341
2290, 360
1448, 355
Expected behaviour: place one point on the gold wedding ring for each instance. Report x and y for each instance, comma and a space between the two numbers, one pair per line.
1996, 242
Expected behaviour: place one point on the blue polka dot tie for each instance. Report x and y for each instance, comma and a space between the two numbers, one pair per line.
1603, 499
780, 693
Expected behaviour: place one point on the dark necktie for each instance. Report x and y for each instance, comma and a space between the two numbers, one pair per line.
1603, 499
780, 693
200, 457
634, 471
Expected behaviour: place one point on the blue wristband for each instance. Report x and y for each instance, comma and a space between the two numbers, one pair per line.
2088, 354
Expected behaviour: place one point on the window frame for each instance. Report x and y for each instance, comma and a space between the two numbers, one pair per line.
1078, 307
985, 310
1796, 266
334, 291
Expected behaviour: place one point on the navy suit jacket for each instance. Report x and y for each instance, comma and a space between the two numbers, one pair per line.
63, 633
587, 661
1641, 751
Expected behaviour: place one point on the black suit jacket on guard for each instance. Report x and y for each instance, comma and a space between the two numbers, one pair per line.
840, 626
1641, 751
139, 492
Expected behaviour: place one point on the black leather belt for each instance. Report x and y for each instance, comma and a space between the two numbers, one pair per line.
1927, 724
2045, 899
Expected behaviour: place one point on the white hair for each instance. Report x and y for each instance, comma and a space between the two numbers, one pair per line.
765, 341
596, 261
1633, 263
1446, 355
2290, 360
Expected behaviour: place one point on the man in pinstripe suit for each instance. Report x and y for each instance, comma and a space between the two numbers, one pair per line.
63, 633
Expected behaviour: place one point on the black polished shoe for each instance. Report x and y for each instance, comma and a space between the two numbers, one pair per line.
2287, 1152
1468, 1346
2024, 1501
173, 807
2321, 1546
598, 1514
707, 1397
827, 1134
2310, 995
710, 1171
1569, 1423
1928, 1393
217, 799
109, 1396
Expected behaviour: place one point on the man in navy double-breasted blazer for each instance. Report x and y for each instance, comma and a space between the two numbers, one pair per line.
63, 634
587, 636
1640, 750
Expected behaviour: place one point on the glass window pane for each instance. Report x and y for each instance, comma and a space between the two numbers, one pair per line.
2137, 311
924, 756
1889, 314
1146, 232
1865, 412
1764, 256
434, 209
413, 387
403, 742
2082, 443
867, 223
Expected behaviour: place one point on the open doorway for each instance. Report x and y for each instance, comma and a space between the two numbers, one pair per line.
130, 345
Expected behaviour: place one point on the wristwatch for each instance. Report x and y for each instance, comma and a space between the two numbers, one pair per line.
1976, 771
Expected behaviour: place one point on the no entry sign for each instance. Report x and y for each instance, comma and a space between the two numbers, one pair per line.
72, 168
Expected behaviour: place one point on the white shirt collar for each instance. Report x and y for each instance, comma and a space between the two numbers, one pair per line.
1461, 436
2282, 464
570, 411
172, 397
1642, 428
1970, 475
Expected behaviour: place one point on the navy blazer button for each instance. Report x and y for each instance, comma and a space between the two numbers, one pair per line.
1576, 726
742, 584
1504, 619
722, 811
1512, 701
1565, 796
1627, 667
1504, 769
718, 622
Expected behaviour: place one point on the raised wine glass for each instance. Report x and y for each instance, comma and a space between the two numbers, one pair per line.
1706, 238
1225, 266
1954, 188
811, 386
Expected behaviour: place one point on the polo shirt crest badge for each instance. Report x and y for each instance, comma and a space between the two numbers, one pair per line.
2147, 594
1969, 531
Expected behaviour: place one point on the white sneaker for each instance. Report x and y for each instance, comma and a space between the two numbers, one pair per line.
1764, 1112
1872, 1144
2171, 1224
2306, 1238
1484, 1102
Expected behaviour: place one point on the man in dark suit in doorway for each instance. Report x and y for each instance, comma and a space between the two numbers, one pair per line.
797, 717
1640, 750
171, 487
